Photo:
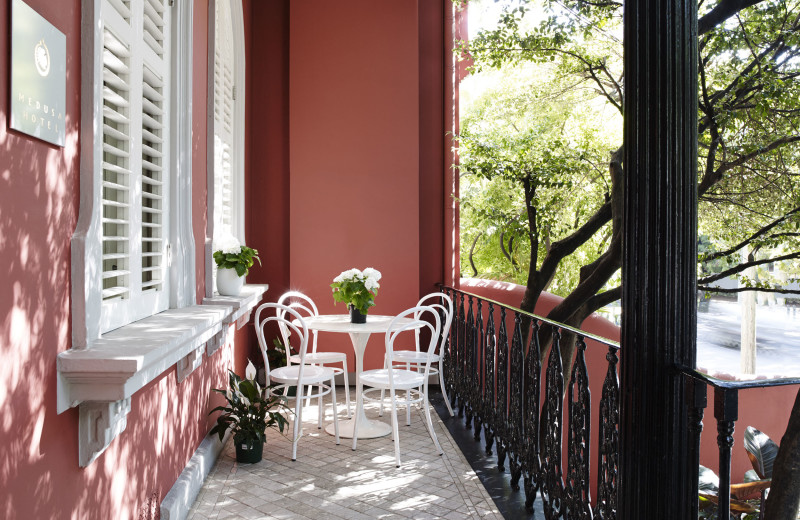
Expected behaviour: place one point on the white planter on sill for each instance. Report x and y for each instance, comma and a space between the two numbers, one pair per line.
228, 282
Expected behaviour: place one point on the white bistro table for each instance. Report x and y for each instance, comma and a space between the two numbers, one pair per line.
359, 335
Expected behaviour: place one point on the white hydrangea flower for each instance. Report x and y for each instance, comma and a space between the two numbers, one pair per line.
227, 243
371, 284
369, 272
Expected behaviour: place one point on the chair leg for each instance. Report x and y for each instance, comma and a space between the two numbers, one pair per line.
319, 406
383, 391
335, 411
429, 422
359, 407
408, 401
298, 421
346, 388
444, 389
395, 431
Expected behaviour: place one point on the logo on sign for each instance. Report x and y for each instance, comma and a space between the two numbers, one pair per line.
41, 56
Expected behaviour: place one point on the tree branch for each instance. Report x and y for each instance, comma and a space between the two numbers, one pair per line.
707, 288
764, 230
721, 12
744, 265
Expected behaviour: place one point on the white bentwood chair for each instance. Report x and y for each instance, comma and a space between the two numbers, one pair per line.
416, 359
300, 375
394, 379
306, 307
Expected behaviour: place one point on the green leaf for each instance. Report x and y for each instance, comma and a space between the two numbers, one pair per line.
708, 481
761, 450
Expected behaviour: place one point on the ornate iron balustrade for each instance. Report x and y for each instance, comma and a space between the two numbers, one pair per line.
494, 375
726, 412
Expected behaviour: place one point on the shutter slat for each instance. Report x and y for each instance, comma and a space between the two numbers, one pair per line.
115, 98
115, 274
113, 132
108, 148
115, 116
150, 122
147, 165
154, 182
114, 292
121, 9
115, 168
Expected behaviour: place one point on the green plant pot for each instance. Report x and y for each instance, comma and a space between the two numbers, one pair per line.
249, 453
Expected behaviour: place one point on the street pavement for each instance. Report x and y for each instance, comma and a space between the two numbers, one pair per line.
777, 339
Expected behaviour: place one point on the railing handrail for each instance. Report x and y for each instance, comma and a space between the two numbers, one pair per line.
728, 384
562, 326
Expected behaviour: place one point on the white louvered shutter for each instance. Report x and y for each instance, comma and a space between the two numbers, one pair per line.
223, 120
135, 162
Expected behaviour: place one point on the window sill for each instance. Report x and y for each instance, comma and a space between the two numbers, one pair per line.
102, 378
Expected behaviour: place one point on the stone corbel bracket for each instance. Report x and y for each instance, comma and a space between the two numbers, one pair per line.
99, 424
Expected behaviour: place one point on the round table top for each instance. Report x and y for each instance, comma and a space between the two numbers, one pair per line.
341, 323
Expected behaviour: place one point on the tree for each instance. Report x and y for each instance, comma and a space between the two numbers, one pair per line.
749, 115
748, 135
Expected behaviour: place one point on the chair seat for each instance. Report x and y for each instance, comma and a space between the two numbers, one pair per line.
403, 379
320, 357
311, 374
412, 356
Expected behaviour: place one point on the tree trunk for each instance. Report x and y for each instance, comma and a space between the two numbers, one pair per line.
747, 300
783, 502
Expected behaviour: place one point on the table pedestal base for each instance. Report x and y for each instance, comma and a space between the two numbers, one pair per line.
367, 429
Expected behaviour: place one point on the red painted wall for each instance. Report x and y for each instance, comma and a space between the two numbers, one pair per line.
765, 409
39, 189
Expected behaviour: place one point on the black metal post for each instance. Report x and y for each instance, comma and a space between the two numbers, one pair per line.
726, 411
697, 398
659, 281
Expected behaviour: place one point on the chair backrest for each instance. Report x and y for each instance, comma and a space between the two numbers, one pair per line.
444, 305
423, 317
290, 322
306, 307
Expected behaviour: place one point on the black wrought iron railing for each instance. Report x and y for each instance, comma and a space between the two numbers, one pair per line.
504, 391
726, 412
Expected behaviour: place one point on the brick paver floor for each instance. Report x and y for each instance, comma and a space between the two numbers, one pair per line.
333, 482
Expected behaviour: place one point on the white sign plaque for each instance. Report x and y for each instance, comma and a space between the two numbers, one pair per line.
38, 75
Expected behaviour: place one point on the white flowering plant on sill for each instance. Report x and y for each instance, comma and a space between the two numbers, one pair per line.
230, 254
357, 288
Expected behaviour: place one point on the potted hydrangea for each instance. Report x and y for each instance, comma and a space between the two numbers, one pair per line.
358, 290
250, 410
234, 261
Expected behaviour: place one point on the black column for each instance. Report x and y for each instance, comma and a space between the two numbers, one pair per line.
659, 280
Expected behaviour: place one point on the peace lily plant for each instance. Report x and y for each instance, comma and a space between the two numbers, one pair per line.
357, 288
249, 411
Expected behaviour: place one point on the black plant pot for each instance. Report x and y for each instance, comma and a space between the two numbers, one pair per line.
249, 453
356, 316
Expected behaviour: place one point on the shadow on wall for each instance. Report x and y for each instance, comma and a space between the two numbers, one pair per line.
39, 472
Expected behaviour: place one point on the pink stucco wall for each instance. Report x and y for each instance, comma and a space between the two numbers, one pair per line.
765, 409
354, 193
39, 190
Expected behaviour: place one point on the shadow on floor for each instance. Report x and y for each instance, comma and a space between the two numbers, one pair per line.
510, 503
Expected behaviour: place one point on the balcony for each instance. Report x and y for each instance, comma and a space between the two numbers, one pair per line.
543, 438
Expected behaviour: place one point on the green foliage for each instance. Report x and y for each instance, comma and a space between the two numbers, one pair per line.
250, 410
748, 141
531, 150
357, 288
241, 261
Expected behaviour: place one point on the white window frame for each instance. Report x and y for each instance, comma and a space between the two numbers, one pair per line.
237, 174
87, 302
